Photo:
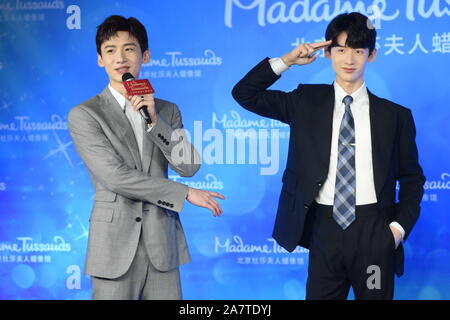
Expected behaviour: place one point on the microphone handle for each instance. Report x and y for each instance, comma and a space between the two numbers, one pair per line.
144, 114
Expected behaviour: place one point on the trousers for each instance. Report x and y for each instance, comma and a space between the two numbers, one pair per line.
361, 257
142, 281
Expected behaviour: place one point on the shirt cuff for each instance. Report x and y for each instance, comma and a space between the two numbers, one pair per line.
149, 127
278, 66
397, 226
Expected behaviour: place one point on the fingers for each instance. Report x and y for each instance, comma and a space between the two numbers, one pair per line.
312, 58
216, 209
321, 45
140, 101
302, 51
306, 49
217, 195
204, 198
310, 50
216, 205
212, 204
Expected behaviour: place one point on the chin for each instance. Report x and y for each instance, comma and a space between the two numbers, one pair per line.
349, 78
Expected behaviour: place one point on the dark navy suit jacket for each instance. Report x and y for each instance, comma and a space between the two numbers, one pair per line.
309, 112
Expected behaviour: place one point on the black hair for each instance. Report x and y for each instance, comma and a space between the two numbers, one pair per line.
359, 29
114, 24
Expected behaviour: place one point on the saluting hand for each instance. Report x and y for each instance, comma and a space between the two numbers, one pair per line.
301, 55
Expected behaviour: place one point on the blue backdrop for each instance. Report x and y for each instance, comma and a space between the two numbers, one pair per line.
199, 50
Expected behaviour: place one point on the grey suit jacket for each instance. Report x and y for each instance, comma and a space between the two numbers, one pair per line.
132, 196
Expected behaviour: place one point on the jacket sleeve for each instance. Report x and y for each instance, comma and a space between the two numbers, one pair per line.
252, 94
410, 176
108, 167
173, 142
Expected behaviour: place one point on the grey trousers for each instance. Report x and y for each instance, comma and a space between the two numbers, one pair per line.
141, 281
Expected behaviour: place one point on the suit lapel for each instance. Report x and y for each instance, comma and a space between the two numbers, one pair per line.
382, 130
322, 123
120, 125
382, 126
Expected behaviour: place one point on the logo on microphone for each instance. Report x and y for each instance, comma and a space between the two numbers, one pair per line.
138, 87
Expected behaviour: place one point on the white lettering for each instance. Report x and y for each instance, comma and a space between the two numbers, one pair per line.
23, 123
325, 10
39, 5
74, 20
74, 280
374, 280
176, 59
237, 245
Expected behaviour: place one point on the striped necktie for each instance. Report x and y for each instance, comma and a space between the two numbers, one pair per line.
345, 188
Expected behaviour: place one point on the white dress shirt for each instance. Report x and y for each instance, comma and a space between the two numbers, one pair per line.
134, 117
365, 184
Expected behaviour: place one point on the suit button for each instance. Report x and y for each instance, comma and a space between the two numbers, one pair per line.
138, 219
171, 205
167, 143
159, 201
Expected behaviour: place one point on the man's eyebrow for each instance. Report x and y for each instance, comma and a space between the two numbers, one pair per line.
126, 44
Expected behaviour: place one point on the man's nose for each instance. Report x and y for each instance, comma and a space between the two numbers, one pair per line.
121, 57
350, 57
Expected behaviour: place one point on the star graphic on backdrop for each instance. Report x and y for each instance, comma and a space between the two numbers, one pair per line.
62, 147
85, 232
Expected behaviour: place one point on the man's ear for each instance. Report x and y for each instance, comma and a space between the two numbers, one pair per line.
327, 53
100, 61
372, 55
146, 56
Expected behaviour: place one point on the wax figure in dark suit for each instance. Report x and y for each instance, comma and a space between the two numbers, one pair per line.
347, 150
136, 242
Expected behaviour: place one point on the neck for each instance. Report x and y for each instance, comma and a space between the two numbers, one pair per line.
350, 87
118, 86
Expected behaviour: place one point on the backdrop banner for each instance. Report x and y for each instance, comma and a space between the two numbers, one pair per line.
199, 50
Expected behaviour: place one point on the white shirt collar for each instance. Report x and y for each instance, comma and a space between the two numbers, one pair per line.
340, 93
120, 98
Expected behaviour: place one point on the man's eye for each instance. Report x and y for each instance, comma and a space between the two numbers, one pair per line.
129, 49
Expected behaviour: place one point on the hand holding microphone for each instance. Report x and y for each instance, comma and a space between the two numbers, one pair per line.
140, 94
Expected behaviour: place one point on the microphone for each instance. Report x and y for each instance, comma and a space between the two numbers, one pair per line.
142, 110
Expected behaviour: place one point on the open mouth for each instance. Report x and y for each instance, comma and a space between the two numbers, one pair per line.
123, 69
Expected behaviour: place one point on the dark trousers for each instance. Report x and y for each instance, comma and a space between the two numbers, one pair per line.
361, 256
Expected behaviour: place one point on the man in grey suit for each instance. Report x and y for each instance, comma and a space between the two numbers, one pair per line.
136, 242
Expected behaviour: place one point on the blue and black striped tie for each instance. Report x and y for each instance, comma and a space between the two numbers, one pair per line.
345, 189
